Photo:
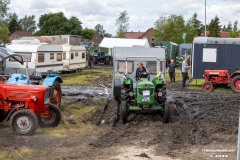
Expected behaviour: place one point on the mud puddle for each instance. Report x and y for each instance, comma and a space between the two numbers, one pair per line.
86, 92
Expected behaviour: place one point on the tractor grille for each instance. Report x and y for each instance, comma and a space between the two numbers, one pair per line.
140, 91
47, 96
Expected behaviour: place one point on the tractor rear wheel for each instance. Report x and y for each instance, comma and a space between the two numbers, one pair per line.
207, 87
235, 84
95, 61
107, 61
24, 122
56, 95
53, 119
124, 111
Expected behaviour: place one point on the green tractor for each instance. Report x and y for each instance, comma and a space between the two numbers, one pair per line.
147, 95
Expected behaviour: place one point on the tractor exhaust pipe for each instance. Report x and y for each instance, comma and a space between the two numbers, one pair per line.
27, 73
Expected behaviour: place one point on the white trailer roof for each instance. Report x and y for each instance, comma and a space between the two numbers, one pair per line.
123, 42
50, 48
23, 48
67, 48
215, 40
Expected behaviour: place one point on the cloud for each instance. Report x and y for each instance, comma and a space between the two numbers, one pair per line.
142, 13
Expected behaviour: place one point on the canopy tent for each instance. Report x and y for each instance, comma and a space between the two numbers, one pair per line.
6, 53
122, 42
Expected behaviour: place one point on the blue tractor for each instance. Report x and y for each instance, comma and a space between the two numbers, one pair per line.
101, 58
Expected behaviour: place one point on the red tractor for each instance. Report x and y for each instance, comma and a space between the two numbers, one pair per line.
27, 106
213, 78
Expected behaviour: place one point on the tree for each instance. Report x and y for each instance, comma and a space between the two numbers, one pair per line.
28, 23
170, 29
4, 33
99, 29
214, 27
224, 28
229, 27
74, 27
196, 24
52, 24
108, 35
88, 33
3, 8
122, 24
14, 25
234, 32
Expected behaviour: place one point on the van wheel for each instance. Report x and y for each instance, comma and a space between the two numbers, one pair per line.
53, 119
24, 122
56, 95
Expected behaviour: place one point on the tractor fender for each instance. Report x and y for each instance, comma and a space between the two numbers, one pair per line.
237, 73
49, 80
12, 111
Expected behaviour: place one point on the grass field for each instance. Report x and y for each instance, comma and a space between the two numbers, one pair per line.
85, 77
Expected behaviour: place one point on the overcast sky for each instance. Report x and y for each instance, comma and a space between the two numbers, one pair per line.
142, 13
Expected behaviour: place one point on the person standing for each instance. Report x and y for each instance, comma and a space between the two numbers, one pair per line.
171, 71
185, 72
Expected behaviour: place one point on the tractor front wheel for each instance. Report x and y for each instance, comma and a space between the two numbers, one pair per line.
235, 84
207, 87
53, 119
3, 115
124, 111
56, 95
24, 122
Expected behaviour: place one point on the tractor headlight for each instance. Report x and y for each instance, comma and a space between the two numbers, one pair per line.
34, 98
131, 94
160, 94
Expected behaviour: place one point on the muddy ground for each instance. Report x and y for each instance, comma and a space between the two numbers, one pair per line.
203, 126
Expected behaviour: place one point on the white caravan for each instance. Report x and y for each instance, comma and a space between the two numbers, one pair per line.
41, 58
74, 57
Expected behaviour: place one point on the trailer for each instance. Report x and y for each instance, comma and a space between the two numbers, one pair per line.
210, 53
74, 57
41, 58
171, 49
134, 54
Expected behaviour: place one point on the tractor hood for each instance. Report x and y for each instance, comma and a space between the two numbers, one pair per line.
9, 91
145, 83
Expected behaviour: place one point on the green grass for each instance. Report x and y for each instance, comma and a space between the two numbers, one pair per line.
20, 153
80, 111
85, 77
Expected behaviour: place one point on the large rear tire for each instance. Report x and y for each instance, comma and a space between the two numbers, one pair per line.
207, 86
56, 95
24, 122
235, 84
124, 111
54, 118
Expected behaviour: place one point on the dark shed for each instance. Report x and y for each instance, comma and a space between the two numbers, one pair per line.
215, 53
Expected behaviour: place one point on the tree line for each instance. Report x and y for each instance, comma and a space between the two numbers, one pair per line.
166, 28
48, 24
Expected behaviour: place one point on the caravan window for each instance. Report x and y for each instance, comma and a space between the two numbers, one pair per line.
122, 66
83, 55
59, 56
25, 57
72, 56
152, 67
40, 57
76, 54
64, 55
51, 55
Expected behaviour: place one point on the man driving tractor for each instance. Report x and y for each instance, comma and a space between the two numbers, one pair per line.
141, 71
